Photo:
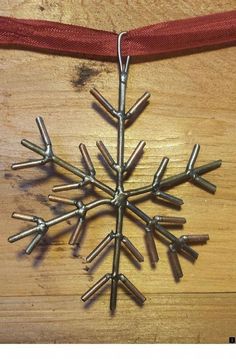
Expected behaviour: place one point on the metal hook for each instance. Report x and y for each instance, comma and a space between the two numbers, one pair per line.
123, 68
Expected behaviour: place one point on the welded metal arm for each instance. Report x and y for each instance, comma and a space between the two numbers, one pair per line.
176, 245
47, 153
138, 106
134, 156
155, 188
105, 103
48, 156
42, 225
191, 174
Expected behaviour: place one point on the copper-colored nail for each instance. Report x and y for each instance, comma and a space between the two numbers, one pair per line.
167, 219
43, 131
189, 251
104, 151
34, 243
99, 248
193, 157
202, 182
195, 238
75, 235
103, 101
87, 159
23, 234
151, 246
170, 198
66, 187
133, 249
132, 288
136, 153
24, 217
138, 105
160, 171
21, 165
175, 264
61, 199
95, 287
33, 147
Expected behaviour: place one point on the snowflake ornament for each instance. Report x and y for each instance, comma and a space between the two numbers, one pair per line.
118, 198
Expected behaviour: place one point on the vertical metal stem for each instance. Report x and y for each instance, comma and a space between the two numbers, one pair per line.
120, 172
121, 129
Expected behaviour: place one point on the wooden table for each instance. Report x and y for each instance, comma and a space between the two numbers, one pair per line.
193, 101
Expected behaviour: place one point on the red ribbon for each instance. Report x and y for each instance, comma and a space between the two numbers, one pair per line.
167, 37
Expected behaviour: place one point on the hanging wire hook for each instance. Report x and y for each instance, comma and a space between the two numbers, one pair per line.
123, 68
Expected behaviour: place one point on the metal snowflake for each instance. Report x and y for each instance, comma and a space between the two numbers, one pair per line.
118, 198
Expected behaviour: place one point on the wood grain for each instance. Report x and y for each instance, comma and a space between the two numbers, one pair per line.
192, 101
167, 318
